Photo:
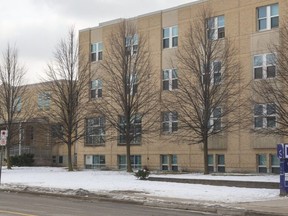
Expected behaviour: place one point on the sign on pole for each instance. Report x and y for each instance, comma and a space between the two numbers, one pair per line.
3, 137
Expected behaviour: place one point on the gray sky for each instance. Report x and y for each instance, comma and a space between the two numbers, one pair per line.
35, 26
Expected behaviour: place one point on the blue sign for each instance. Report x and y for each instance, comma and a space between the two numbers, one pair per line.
280, 150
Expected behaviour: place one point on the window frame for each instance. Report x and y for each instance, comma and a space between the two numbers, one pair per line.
172, 81
264, 115
172, 38
215, 28
136, 129
264, 66
97, 51
169, 162
133, 159
172, 118
95, 165
268, 17
44, 101
131, 44
97, 135
96, 89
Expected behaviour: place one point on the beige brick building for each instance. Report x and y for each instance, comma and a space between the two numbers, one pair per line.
252, 25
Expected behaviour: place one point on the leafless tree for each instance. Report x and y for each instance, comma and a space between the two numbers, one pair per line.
271, 90
130, 98
65, 86
209, 84
12, 93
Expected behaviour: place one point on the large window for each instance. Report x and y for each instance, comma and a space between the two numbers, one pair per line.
215, 119
262, 163
170, 37
268, 17
169, 122
275, 164
135, 129
131, 44
212, 74
170, 79
216, 27
131, 84
264, 116
94, 161
96, 51
264, 66
169, 162
96, 89
135, 162
95, 131
211, 163
57, 131
44, 99
220, 163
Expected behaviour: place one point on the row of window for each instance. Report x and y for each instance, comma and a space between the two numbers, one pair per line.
267, 18
168, 162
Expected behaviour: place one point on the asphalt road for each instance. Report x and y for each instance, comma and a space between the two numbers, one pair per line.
22, 204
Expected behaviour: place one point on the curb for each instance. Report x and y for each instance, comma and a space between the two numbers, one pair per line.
151, 202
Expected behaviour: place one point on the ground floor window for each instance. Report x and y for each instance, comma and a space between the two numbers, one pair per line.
169, 162
135, 162
94, 161
60, 159
211, 163
262, 163
275, 164
220, 163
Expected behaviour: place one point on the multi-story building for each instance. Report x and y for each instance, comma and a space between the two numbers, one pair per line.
252, 25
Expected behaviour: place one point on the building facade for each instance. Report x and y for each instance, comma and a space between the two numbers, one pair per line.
252, 25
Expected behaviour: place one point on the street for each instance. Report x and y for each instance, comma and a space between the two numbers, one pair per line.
13, 204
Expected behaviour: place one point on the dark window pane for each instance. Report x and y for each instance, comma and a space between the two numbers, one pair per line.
99, 55
166, 43
258, 122
221, 32
271, 71
271, 122
174, 84
93, 56
217, 78
258, 109
258, 73
271, 109
174, 126
93, 93
174, 41
274, 22
165, 127
217, 125
166, 85
99, 93
211, 34
174, 168
262, 12
262, 170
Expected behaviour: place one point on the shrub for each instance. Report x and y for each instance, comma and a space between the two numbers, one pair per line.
22, 160
142, 174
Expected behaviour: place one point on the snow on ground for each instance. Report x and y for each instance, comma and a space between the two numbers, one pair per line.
117, 182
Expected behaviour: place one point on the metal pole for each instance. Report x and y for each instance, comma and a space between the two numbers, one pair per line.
1, 162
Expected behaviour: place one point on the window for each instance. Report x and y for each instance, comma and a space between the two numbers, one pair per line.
268, 17
212, 74
211, 163
170, 79
96, 51
220, 163
215, 119
60, 159
169, 162
96, 89
95, 131
170, 37
135, 162
262, 163
56, 131
169, 122
264, 66
216, 27
275, 164
18, 103
44, 100
132, 84
131, 44
135, 129
264, 116
94, 161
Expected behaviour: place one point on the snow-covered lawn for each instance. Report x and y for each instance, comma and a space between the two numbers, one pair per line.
120, 182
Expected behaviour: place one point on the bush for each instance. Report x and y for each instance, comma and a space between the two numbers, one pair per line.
142, 174
22, 160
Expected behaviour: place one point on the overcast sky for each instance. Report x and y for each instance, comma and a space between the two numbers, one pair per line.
35, 26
